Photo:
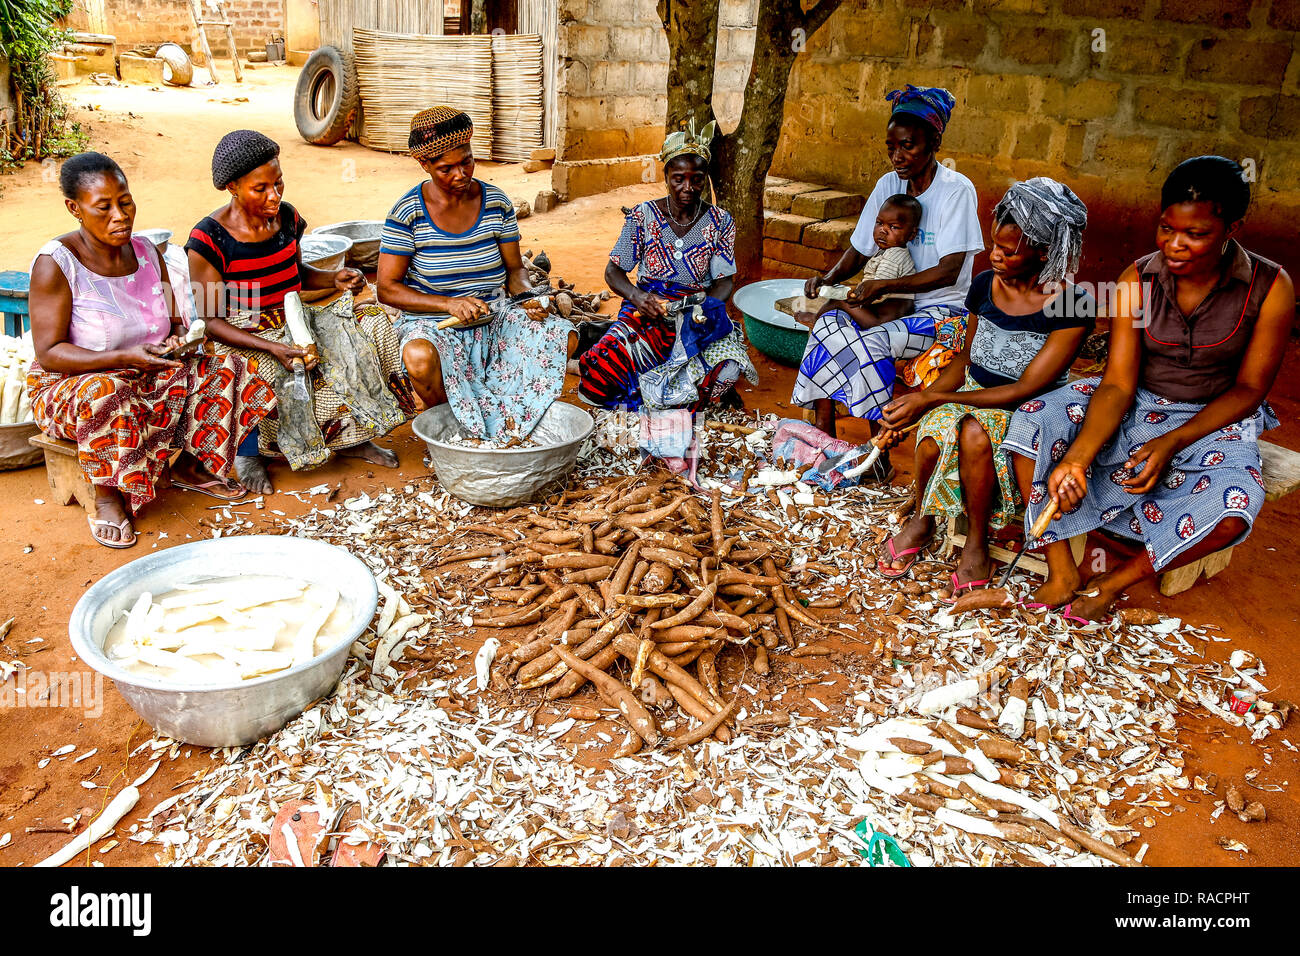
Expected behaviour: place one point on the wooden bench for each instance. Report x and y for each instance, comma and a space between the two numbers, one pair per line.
1281, 477
64, 472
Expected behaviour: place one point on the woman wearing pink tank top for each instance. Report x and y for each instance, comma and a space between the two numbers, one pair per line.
103, 320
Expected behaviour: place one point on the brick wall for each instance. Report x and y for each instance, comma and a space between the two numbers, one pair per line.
155, 21
612, 77
1104, 95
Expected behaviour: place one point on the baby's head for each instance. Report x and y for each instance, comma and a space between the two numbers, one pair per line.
897, 221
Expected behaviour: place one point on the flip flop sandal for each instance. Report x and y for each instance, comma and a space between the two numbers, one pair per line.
123, 527
958, 587
893, 574
205, 488
296, 834
1067, 612
1036, 606
361, 853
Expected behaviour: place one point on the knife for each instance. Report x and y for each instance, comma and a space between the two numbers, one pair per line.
1036, 532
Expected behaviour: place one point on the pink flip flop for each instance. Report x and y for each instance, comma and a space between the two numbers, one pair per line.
958, 587
893, 574
205, 488
1067, 613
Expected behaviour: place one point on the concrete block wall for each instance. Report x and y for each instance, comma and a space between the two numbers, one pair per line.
612, 79
806, 226
1105, 95
136, 22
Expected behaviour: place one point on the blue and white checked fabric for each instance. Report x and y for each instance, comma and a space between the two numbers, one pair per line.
1218, 477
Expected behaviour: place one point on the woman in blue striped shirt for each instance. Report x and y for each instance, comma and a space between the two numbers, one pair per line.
450, 249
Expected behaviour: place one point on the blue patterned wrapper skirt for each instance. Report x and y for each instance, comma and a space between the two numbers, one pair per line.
1218, 477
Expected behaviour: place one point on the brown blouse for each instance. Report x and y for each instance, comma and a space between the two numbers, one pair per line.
1196, 358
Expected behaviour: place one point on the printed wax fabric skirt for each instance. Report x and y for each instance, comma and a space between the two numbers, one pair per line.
500, 377
128, 422
358, 392
611, 369
1218, 477
857, 367
943, 495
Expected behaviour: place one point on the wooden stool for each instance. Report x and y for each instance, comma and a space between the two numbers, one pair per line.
1281, 469
13, 302
957, 528
64, 472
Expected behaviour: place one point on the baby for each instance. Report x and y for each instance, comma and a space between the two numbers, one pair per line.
897, 223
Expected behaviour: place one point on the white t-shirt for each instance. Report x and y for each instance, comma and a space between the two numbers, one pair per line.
949, 223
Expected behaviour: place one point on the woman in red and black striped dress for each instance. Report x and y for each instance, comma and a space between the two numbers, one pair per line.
244, 259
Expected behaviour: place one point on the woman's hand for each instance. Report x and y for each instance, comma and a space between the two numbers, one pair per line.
1149, 463
650, 305
349, 280
467, 308
172, 342
534, 310
286, 354
905, 409
1067, 485
147, 358
864, 293
888, 438
813, 286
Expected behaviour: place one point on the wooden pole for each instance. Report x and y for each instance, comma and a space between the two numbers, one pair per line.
197, 14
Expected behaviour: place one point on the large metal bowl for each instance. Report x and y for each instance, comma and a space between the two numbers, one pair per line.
325, 252
364, 233
224, 715
503, 477
159, 237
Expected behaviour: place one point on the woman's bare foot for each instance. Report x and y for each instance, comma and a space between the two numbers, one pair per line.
372, 453
1058, 589
915, 534
252, 474
1103, 591
110, 507
974, 565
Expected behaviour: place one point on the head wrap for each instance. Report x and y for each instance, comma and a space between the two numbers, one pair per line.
687, 142
239, 153
438, 129
1050, 216
933, 104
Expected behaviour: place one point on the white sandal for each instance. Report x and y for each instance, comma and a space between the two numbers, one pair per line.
122, 528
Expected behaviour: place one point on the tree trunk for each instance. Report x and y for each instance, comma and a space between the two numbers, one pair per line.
741, 158
692, 31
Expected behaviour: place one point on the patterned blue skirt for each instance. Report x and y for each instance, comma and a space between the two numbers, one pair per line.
1218, 477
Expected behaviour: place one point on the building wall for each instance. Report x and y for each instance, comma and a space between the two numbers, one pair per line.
613, 74
155, 21
1104, 95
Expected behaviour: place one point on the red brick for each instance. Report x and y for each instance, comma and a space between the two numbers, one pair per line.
1226, 14
1105, 9
784, 226
963, 40
1036, 45
1238, 61
827, 204
1273, 117
1180, 109
798, 255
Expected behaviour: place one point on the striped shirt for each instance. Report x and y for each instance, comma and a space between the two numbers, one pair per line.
257, 275
452, 263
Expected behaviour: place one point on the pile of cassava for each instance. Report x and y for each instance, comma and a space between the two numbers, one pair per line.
637, 587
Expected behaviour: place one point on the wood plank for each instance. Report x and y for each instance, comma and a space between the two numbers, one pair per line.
1281, 470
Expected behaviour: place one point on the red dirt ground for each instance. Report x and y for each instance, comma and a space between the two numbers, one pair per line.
1252, 601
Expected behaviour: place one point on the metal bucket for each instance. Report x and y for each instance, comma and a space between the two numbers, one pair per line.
224, 715
159, 237
15, 450
364, 233
502, 477
325, 252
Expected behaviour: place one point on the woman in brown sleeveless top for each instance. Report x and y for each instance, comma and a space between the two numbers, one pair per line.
1163, 447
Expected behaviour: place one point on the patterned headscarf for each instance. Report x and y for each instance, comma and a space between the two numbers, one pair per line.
438, 129
687, 142
1050, 215
930, 103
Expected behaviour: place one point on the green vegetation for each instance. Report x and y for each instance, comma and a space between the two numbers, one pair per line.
28, 34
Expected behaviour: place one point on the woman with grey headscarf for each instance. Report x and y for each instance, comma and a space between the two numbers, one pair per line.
1026, 324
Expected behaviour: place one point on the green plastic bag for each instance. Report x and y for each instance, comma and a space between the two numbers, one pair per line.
878, 845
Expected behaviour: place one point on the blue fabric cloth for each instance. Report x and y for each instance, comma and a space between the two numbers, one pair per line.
1218, 477
930, 103
248, 447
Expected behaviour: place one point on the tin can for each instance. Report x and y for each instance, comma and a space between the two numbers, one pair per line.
1242, 701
